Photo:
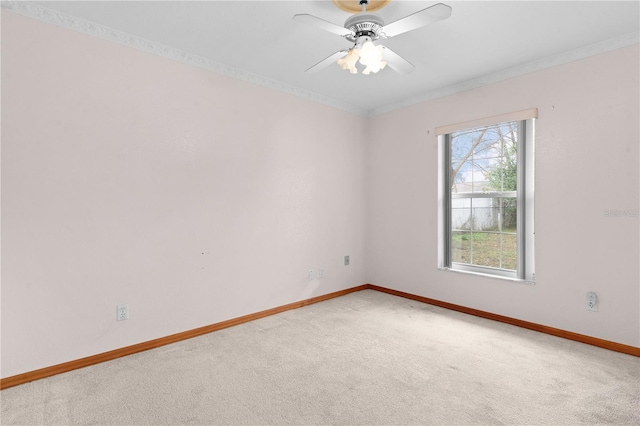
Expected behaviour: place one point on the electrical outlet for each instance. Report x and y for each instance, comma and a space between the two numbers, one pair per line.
591, 302
122, 312
321, 273
310, 274
346, 261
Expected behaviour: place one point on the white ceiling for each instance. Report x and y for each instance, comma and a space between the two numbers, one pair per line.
482, 41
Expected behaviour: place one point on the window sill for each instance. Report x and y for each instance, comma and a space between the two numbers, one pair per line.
499, 277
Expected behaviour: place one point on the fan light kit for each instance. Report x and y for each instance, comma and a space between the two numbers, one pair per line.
364, 30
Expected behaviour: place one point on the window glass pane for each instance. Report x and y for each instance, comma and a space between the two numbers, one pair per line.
509, 213
484, 232
461, 213
461, 246
484, 159
509, 250
485, 249
486, 214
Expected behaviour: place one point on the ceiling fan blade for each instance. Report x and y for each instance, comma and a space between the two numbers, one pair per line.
327, 61
396, 62
321, 23
427, 16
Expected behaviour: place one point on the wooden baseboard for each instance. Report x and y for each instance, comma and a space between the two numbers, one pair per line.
151, 344
606, 344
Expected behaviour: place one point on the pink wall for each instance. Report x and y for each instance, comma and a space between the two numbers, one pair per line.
195, 198
190, 196
587, 155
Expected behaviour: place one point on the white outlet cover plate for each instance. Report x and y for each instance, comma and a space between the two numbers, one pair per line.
122, 312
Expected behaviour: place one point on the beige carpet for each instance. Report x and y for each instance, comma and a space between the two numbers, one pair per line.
365, 358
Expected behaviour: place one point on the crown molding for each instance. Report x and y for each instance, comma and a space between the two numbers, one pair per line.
71, 22
44, 14
507, 73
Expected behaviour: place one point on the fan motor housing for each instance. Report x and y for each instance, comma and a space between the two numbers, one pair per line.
364, 25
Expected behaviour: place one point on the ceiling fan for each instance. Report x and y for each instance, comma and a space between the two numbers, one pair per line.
364, 29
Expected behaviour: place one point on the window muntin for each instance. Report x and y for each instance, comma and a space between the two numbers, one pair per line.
486, 199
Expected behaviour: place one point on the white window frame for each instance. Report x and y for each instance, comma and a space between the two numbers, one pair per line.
525, 271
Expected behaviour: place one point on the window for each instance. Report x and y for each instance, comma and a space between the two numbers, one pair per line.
486, 196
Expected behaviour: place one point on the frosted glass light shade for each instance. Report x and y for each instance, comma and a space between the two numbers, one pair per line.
349, 61
369, 55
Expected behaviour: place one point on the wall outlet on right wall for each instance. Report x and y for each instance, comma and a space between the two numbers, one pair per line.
122, 312
591, 300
